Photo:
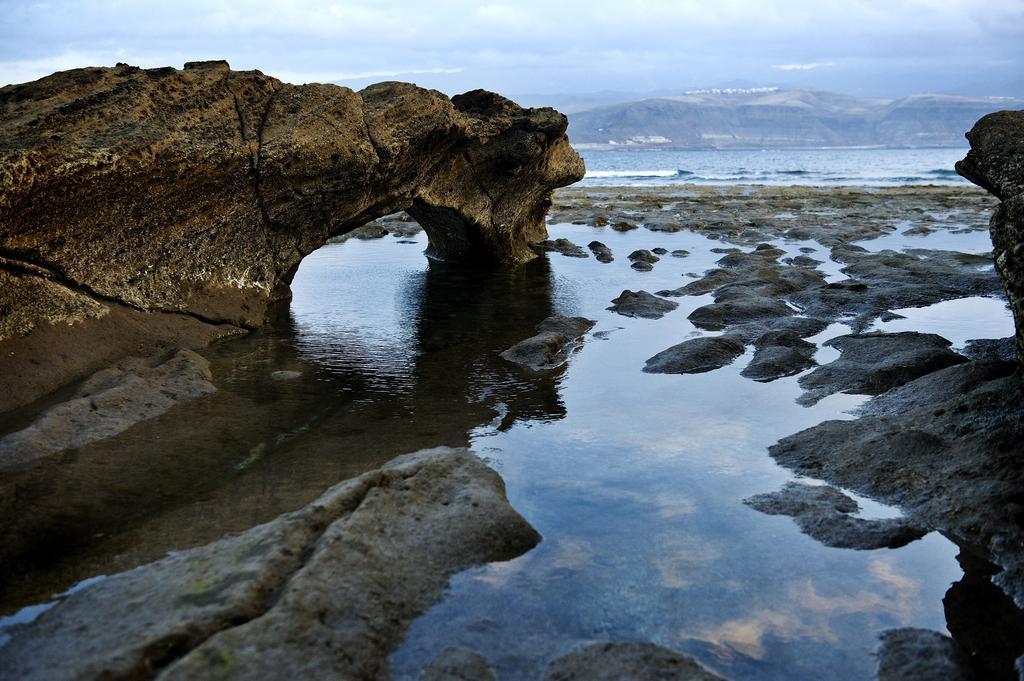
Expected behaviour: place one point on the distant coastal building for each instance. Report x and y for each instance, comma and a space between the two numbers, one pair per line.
641, 139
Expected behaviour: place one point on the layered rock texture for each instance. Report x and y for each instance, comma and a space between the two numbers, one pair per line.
996, 163
195, 193
323, 592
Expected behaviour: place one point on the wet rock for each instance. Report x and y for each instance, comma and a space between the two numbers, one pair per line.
557, 337
889, 316
626, 661
872, 363
824, 513
885, 280
563, 246
641, 304
800, 327
404, 227
911, 654
601, 252
108, 403
458, 664
991, 349
945, 448
996, 163
643, 260
920, 230
659, 251
93, 205
695, 356
623, 226
719, 315
368, 232
803, 261
680, 253
643, 255
285, 375
778, 354
324, 592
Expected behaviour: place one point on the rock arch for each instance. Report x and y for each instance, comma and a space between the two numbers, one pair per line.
197, 192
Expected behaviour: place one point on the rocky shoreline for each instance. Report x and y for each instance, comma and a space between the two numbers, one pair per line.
332, 588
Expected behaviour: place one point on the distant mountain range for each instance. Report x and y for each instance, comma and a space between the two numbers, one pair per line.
773, 117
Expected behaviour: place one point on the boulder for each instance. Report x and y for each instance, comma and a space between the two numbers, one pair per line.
695, 356
324, 592
556, 338
601, 252
641, 304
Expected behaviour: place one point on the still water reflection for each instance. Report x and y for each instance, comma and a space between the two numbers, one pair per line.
635, 480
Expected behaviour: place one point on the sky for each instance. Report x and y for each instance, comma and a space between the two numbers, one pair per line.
886, 48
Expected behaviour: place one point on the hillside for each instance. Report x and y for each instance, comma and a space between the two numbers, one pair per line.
770, 117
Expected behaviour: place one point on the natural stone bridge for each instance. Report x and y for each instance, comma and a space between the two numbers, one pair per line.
138, 205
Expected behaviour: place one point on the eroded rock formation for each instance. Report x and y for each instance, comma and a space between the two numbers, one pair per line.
324, 592
996, 163
195, 193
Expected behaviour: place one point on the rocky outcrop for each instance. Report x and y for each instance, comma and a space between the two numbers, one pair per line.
695, 356
324, 592
197, 192
945, 448
556, 338
996, 163
108, 403
826, 514
872, 363
910, 654
641, 304
626, 660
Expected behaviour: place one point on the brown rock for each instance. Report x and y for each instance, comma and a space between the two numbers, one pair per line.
324, 592
199, 191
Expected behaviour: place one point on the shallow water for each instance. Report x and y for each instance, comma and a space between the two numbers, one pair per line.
635, 480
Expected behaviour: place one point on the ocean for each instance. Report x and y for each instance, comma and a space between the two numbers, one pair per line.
847, 166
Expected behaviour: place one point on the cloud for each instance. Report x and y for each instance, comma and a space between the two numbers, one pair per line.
803, 67
300, 77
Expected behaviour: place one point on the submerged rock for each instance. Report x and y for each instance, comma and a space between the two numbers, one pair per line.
626, 661
324, 592
695, 356
108, 403
550, 348
824, 513
872, 363
563, 246
911, 654
97, 162
601, 252
641, 304
458, 664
